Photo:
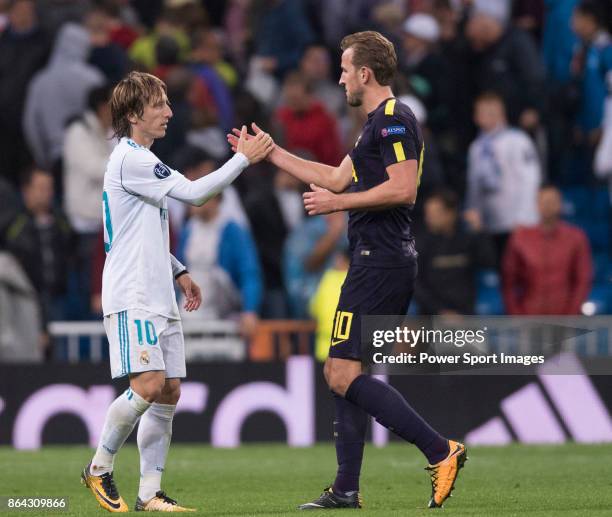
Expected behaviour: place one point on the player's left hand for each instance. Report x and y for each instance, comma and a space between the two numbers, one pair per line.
320, 201
191, 291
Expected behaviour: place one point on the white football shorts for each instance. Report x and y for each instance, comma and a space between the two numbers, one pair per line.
141, 341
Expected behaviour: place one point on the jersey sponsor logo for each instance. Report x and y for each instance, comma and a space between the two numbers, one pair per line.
393, 130
161, 171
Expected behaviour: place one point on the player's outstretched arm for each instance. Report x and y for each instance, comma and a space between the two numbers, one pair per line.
248, 152
335, 179
400, 189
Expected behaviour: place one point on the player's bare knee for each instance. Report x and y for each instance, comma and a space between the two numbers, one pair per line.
171, 392
149, 393
149, 385
340, 373
339, 380
153, 392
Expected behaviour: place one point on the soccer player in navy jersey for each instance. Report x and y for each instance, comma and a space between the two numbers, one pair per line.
377, 184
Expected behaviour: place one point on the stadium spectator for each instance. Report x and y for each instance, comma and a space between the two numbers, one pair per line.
4, 7
274, 211
249, 108
213, 46
602, 163
503, 174
547, 268
315, 66
591, 61
19, 315
9, 207
124, 22
23, 51
309, 252
529, 16
558, 39
337, 18
180, 82
281, 33
305, 124
40, 238
222, 259
322, 306
191, 101
505, 59
237, 30
56, 94
106, 55
167, 24
194, 163
218, 75
433, 177
426, 68
449, 259
87, 147
558, 44
56, 13
387, 18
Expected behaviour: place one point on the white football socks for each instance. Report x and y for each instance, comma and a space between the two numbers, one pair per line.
120, 420
154, 434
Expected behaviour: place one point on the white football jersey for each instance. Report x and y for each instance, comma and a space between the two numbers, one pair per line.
137, 272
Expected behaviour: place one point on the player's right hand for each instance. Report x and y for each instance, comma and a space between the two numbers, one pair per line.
255, 148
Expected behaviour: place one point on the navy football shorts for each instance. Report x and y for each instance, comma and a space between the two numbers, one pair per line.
368, 291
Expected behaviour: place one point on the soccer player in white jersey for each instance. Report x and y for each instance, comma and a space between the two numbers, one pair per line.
141, 316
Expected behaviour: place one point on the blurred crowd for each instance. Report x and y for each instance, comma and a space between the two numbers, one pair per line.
514, 98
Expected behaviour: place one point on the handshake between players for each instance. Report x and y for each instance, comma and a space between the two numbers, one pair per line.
254, 148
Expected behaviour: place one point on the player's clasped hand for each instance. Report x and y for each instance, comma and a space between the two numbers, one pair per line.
320, 201
192, 292
255, 148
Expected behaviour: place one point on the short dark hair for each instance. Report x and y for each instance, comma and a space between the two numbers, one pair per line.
490, 96
98, 95
448, 198
550, 186
297, 77
167, 51
594, 9
372, 49
131, 96
28, 173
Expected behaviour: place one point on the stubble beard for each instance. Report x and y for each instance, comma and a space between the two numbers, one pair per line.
355, 100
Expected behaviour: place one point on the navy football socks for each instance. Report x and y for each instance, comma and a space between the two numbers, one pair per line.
350, 426
391, 410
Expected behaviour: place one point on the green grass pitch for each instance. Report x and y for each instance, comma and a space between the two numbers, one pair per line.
271, 480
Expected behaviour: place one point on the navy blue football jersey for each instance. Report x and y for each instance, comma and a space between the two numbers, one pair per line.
382, 238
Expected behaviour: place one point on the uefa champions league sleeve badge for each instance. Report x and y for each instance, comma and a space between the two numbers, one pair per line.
161, 171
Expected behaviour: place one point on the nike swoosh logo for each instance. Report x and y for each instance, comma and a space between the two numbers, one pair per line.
108, 501
337, 341
458, 449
